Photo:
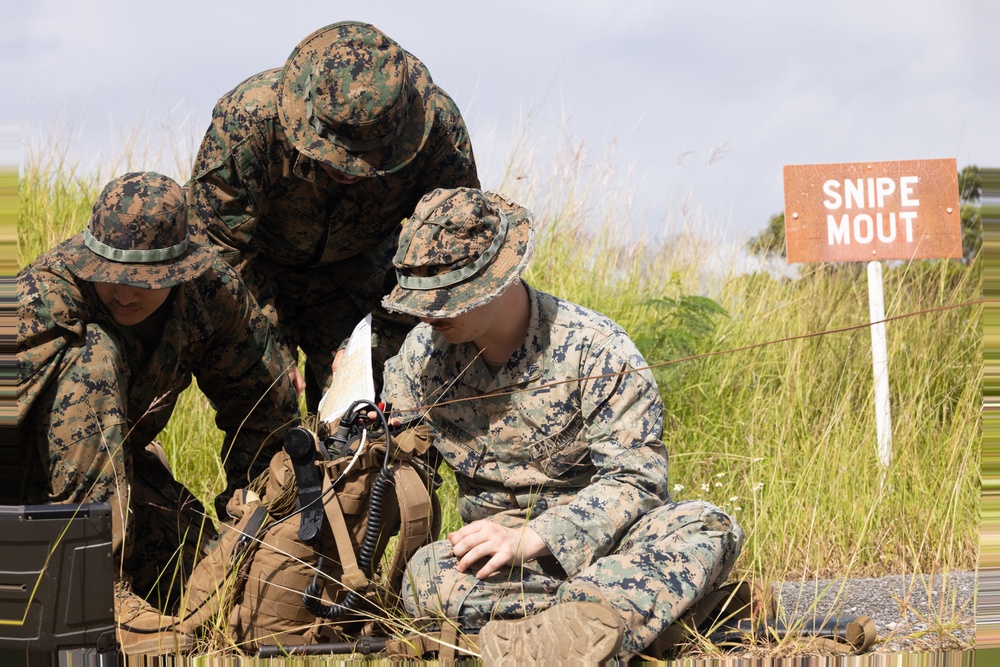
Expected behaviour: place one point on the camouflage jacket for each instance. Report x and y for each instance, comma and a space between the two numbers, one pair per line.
269, 209
214, 332
582, 461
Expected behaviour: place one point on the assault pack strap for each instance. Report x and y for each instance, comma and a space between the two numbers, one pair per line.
419, 516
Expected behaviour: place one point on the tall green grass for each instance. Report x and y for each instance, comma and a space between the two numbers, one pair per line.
782, 435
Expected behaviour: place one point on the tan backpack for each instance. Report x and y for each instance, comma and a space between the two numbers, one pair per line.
300, 564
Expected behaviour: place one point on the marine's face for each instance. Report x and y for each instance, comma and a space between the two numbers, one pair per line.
339, 176
467, 327
455, 330
130, 305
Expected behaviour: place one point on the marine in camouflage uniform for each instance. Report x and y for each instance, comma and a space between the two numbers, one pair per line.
576, 463
99, 374
307, 171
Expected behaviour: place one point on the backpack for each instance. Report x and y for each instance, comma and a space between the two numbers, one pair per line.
300, 564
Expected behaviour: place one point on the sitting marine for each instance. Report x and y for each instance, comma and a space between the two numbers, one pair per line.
572, 548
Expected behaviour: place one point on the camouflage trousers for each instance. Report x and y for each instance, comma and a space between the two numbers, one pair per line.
668, 560
78, 450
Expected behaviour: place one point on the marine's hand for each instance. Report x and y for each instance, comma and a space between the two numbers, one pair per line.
298, 381
336, 360
394, 422
504, 546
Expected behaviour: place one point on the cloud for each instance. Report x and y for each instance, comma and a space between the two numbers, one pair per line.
637, 82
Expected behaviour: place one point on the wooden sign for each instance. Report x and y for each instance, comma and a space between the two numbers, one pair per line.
863, 211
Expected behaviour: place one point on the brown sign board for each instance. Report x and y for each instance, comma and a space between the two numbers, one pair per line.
863, 211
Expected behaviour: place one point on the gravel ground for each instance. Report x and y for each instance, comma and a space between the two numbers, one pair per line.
911, 613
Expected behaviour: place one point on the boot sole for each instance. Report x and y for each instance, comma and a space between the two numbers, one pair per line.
572, 633
157, 644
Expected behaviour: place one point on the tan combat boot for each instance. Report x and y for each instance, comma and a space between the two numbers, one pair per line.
571, 633
143, 629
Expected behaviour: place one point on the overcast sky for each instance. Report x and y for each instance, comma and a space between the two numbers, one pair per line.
701, 102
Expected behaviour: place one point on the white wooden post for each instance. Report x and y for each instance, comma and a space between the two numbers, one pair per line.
880, 365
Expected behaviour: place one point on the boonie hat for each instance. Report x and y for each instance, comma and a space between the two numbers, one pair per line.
460, 248
137, 235
353, 99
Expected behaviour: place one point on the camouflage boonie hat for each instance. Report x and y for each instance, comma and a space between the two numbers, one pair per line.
350, 98
137, 235
459, 249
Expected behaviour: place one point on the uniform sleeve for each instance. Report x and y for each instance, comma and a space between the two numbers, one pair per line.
389, 330
226, 190
452, 164
402, 378
623, 418
243, 377
52, 315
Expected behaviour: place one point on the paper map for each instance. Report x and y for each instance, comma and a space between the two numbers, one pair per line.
353, 379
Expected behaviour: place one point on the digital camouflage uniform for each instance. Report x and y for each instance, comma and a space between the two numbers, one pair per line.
317, 253
579, 462
92, 394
